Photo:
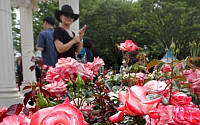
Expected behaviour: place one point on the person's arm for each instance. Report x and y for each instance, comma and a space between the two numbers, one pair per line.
79, 46
40, 42
81, 34
40, 49
61, 48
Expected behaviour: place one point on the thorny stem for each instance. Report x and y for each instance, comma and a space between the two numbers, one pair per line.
171, 83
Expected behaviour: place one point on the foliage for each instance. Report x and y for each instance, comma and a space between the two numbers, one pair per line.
44, 9
15, 31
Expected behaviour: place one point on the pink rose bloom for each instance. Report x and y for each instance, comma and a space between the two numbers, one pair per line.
156, 87
192, 76
163, 115
195, 87
187, 115
95, 65
64, 68
180, 99
85, 73
57, 89
53, 75
179, 65
140, 78
15, 120
166, 68
67, 66
128, 46
62, 114
135, 103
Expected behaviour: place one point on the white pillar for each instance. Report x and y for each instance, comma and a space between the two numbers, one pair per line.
8, 92
26, 31
75, 6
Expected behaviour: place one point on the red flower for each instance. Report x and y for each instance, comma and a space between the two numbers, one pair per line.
128, 46
64, 114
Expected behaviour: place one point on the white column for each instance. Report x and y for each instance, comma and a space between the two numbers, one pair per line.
26, 32
75, 6
8, 92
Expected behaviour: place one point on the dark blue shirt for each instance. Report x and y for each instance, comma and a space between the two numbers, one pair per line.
45, 41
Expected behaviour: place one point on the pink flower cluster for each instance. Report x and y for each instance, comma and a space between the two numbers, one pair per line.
128, 46
181, 111
69, 66
174, 115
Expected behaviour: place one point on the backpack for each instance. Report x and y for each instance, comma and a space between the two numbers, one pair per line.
81, 57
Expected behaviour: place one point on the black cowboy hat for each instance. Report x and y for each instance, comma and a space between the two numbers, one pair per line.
65, 9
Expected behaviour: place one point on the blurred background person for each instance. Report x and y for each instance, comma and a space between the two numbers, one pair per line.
19, 70
123, 67
45, 42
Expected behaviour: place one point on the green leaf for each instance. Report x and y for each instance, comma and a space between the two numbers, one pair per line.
183, 78
186, 85
160, 66
153, 63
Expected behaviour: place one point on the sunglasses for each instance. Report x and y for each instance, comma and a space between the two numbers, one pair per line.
68, 15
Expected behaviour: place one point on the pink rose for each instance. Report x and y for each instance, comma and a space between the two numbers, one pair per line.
15, 120
128, 46
95, 65
180, 99
57, 89
195, 87
140, 78
192, 76
166, 68
187, 115
135, 103
85, 73
156, 87
53, 75
163, 115
64, 114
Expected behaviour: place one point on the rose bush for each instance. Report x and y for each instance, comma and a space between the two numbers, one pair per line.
169, 95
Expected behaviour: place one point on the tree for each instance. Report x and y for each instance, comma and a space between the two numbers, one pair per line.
107, 22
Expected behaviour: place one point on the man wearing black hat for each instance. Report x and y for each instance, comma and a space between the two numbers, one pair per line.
66, 43
45, 42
